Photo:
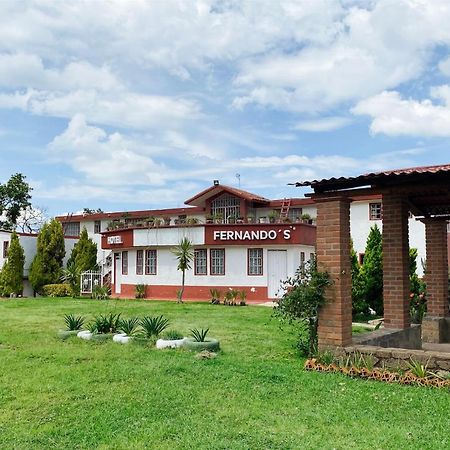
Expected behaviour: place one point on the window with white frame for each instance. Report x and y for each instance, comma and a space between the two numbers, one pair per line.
375, 211
226, 206
294, 214
139, 262
217, 256
200, 261
150, 262
255, 261
124, 263
97, 226
71, 228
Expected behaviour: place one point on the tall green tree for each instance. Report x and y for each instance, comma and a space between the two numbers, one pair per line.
46, 267
12, 272
184, 253
359, 304
82, 258
14, 198
372, 271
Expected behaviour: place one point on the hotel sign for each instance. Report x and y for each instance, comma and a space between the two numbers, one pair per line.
114, 240
117, 239
259, 234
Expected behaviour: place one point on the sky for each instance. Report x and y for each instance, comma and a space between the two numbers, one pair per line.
124, 105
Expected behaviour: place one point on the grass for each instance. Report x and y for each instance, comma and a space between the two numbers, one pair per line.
75, 394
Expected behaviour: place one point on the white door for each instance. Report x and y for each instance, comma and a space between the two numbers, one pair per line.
117, 273
276, 272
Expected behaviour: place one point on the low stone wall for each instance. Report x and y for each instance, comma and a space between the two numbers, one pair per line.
409, 338
399, 357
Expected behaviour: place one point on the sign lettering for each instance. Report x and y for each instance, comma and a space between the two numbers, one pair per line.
253, 235
114, 240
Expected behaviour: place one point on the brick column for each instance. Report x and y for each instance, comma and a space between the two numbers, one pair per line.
395, 262
434, 324
333, 255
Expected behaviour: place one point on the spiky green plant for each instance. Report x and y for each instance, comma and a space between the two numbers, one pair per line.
184, 253
139, 290
154, 326
172, 335
199, 335
129, 326
73, 322
417, 368
105, 324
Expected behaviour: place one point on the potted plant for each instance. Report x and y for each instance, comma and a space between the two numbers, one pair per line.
191, 221
104, 326
139, 290
242, 298
74, 324
199, 342
215, 296
262, 219
306, 218
250, 219
166, 220
149, 221
218, 218
170, 339
128, 328
232, 219
152, 327
209, 218
273, 216
157, 222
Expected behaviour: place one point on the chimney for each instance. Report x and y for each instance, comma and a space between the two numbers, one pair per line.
216, 182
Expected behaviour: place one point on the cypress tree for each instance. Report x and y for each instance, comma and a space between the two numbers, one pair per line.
359, 305
372, 271
47, 264
12, 273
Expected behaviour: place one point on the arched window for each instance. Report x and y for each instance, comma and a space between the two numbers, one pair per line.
226, 206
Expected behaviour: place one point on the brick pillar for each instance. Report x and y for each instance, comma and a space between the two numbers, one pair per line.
333, 255
434, 324
395, 262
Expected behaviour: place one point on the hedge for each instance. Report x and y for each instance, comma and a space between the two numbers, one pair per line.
56, 290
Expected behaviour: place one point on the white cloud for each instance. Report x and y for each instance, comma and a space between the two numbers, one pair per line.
395, 116
104, 159
444, 66
322, 124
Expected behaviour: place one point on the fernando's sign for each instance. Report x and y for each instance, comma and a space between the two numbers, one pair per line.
247, 235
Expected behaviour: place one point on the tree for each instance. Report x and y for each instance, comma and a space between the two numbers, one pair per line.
359, 304
47, 264
14, 197
184, 254
12, 272
372, 271
31, 219
417, 304
82, 258
304, 296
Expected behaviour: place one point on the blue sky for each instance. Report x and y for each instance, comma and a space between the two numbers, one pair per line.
135, 105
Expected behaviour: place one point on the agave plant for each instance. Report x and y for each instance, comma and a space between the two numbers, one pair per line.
154, 326
417, 368
199, 335
73, 322
129, 326
105, 324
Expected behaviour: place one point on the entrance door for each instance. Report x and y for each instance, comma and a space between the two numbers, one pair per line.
276, 272
117, 273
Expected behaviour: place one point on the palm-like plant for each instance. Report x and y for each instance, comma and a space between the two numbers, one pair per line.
185, 254
73, 322
71, 276
129, 326
154, 326
199, 335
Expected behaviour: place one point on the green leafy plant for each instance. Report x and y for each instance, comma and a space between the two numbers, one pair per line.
304, 295
73, 322
417, 368
230, 297
172, 335
154, 326
56, 290
199, 335
242, 297
184, 253
103, 324
101, 292
215, 296
139, 291
129, 326
326, 357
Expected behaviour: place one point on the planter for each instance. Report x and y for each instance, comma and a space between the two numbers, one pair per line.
169, 343
101, 337
66, 334
212, 345
122, 338
86, 335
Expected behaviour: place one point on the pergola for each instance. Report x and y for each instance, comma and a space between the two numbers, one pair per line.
422, 191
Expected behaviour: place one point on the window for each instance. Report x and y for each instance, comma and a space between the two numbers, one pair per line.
312, 257
255, 261
124, 263
71, 228
217, 256
226, 206
200, 261
294, 213
97, 226
5, 249
150, 262
375, 211
139, 262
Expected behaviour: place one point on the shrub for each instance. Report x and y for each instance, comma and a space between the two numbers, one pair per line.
101, 292
73, 322
199, 335
129, 326
56, 290
12, 272
154, 326
105, 324
215, 296
172, 335
139, 291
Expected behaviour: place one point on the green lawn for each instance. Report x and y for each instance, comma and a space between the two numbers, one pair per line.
254, 395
